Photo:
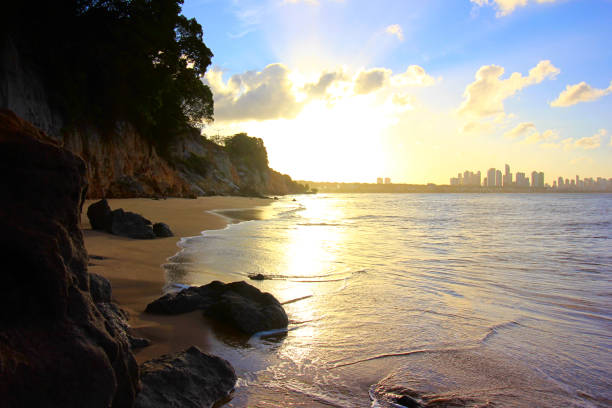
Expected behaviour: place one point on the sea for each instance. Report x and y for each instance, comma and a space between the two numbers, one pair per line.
418, 300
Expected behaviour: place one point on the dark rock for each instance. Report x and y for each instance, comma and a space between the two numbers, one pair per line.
238, 304
162, 230
55, 347
99, 214
98, 257
131, 225
99, 288
258, 276
189, 379
139, 342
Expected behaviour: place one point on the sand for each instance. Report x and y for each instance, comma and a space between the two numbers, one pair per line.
134, 266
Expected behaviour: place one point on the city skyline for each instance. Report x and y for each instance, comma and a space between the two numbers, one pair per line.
536, 179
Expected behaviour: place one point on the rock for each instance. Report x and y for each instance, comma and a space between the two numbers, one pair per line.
99, 288
56, 349
131, 225
162, 230
238, 304
258, 276
99, 214
188, 379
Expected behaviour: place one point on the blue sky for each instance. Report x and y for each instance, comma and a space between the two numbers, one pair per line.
415, 129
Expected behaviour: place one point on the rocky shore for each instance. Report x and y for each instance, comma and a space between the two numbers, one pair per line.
60, 325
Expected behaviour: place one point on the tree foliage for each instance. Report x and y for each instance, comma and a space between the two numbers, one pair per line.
248, 150
108, 60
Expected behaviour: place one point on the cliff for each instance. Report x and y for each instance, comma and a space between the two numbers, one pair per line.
121, 162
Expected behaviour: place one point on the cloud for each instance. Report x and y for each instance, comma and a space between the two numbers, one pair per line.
591, 142
396, 30
585, 143
371, 80
520, 130
413, 76
545, 136
485, 96
505, 7
318, 89
581, 92
262, 95
311, 2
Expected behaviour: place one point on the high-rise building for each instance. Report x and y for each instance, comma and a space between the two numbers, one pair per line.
560, 182
387, 180
498, 178
541, 179
491, 177
379, 180
507, 179
521, 180
537, 179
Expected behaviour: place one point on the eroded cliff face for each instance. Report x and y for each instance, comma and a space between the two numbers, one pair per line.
57, 349
120, 162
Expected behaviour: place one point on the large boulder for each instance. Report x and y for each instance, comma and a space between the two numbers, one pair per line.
131, 225
56, 348
189, 379
99, 214
238, 304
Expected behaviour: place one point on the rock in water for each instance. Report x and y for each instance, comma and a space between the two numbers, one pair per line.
189, 379
99, 214
131, 225
55, 347
238, 304
162, 230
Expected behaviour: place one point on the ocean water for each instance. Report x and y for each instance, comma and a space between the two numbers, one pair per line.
472, 300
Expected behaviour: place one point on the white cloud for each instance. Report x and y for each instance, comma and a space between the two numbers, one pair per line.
396, 30
581, 92
591, 142
371, 80
545, 136
413, 76
520, 130
485, 96
311, 2
319, 89
585, 143
505, 7
262, 95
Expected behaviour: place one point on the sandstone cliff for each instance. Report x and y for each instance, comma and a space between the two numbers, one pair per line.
120, 162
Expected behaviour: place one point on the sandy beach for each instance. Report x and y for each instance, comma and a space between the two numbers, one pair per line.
134, 266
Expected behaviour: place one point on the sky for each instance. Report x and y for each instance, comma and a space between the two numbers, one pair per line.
414, 90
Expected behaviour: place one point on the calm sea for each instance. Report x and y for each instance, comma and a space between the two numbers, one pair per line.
498, 300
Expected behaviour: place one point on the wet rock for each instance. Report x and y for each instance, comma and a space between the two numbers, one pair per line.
99, 214
237, 304
55, 346
189, 379
131, 225
162, 230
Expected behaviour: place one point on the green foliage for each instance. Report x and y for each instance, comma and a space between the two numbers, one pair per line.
248, 150
110, 60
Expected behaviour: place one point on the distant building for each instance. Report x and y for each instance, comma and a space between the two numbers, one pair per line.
521, 180
387, 180
507, 179
491, 177
560, 182
537, 179
498, 178
379, 180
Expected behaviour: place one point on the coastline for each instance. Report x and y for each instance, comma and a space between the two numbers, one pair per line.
134, 266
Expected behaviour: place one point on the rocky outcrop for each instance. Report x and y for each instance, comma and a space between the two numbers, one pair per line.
57, 349
124, 223
189, 379
237, 304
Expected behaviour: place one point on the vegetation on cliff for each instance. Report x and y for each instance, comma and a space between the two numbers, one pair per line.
107, 60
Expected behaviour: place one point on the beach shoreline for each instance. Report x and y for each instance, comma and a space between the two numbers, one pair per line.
134, 267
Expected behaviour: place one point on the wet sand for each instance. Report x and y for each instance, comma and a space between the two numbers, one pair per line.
134, 266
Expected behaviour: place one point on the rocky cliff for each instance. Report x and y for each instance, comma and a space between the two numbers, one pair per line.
119, 161
59, 347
